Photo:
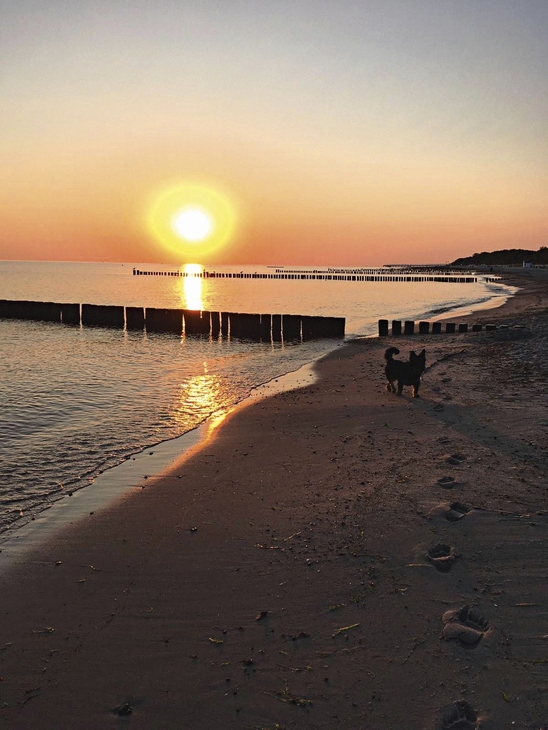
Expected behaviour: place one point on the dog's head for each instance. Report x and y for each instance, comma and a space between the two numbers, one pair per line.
418, 361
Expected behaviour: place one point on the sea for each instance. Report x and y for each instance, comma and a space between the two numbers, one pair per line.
77, 401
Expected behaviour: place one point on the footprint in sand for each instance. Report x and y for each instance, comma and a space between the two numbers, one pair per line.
466, 626
456, 511
442, 557
455, 459
459, 716
447, 482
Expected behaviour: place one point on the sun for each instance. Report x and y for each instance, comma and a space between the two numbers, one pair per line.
193, 224
185, 218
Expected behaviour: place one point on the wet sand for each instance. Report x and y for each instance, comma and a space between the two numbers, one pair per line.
293, 572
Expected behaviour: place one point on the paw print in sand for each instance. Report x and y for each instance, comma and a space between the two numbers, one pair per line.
459, 716
466, 626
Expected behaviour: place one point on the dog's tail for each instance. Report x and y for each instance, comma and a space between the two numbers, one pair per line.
390, 353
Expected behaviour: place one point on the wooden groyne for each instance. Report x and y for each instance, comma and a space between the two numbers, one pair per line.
410, 327
313, 276
254, 327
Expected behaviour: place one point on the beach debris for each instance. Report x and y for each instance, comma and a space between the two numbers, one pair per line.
45, 630
215, 641
336, 606
308, 668
296, 534
442, 557
465, 625
261, 615
344, 628
286, 696
193, 529
123, 710
438, 407
58, 562
248, 662
506, 697
455, 459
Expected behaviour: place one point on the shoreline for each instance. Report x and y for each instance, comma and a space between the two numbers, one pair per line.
280, 576
117, 482
113, 483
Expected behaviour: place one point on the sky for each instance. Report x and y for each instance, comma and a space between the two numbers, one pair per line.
338, 132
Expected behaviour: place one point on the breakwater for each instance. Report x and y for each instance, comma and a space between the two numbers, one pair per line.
254, 327
339, 275
409, 327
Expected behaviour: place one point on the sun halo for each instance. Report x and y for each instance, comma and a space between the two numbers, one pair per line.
184, 218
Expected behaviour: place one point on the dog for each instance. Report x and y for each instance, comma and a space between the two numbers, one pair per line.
406, 373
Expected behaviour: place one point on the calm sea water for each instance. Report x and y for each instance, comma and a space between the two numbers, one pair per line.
76, 401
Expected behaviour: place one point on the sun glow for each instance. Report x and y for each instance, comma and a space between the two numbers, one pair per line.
187, 218
193, 224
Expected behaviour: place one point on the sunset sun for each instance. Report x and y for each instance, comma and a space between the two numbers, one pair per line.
193, 224
183, 217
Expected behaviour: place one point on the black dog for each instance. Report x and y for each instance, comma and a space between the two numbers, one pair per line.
406, 373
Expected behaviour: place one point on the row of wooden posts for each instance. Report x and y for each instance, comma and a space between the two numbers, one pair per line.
424, 328
309, 276
257, 327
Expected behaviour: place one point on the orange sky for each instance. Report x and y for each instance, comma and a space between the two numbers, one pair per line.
359, 133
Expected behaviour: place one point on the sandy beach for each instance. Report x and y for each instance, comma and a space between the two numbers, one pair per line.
333, 557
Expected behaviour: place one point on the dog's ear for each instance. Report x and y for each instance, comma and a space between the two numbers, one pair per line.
423, 353
412, 354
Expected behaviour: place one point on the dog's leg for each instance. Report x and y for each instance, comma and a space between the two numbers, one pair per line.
400, 387
416, 389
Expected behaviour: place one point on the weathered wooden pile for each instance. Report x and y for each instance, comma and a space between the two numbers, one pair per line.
255, 327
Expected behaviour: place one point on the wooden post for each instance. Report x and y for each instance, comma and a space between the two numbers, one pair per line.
70, 313
383, 327
135, 318
276, 327
215, 323
424, 328
245, 326
450, 328
224, 324
265, 327
97, 315
409, 327
396, 327
196, 322
164, 320
291, 327
436, 328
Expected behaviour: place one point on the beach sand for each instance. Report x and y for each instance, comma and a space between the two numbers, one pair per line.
280, 578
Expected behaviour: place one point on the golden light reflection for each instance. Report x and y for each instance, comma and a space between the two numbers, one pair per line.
201, 396
192, 285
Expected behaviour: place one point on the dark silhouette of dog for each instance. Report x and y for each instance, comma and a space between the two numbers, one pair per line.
405, 373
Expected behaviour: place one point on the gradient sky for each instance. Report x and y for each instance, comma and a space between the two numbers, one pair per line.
345, 132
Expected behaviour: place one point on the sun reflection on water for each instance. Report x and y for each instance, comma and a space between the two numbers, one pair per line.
191, 287
200, 396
